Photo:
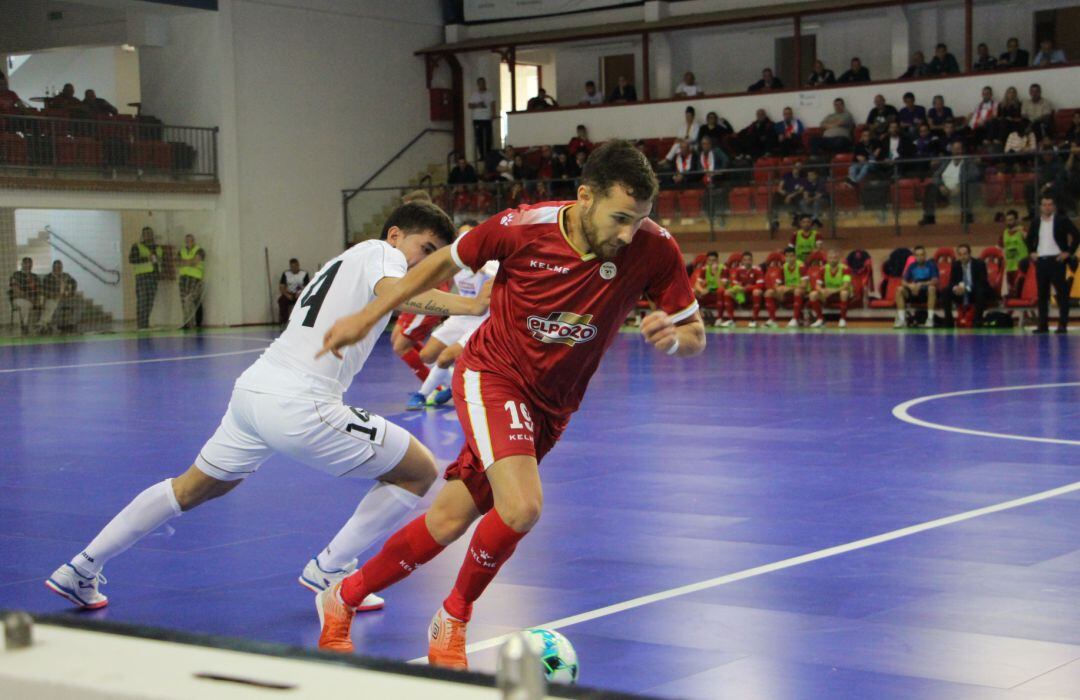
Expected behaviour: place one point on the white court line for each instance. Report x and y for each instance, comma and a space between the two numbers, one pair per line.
178, 358
778, 565
901, 412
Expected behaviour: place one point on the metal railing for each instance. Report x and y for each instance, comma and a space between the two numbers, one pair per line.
68, 248
116, 146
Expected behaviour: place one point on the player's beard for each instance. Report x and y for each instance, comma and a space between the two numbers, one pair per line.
588, 230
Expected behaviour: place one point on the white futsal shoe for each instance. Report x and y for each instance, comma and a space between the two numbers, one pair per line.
770, 323
820, 323
752, 324
842, 323
79, 589
793, 323
316, 579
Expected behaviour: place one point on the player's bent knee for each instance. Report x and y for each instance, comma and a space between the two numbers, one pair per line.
416, 471
522, 513
193, 488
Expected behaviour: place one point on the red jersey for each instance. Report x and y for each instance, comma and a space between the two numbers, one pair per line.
555, 311
747, 277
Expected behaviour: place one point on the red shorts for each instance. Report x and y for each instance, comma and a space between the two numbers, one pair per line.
417, 327
712, 300
498, 422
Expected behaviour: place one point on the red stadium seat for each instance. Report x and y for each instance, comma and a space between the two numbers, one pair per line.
690, 203
888, 301
994, 258
788, 162
844, 195
13, 149
810, 133
904, 193
152, 155
82, 152
764, 170
1029, 290
1016, 186
841, 162
666, 204
944, 258
1062, 121
761, 198
739, 201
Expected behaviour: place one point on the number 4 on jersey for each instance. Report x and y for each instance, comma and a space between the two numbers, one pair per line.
313, 299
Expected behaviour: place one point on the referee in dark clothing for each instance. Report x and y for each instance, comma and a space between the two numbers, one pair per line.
1052, 240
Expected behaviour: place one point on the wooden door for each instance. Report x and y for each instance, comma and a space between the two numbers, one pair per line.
611, 67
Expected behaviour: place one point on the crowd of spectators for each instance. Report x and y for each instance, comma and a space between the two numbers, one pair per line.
43, 303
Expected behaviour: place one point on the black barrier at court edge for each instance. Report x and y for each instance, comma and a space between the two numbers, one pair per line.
369, 663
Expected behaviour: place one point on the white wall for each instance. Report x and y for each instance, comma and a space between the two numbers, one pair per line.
107, 70
96, 233
657, 120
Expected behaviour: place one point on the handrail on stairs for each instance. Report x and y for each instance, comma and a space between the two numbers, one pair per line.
115, 274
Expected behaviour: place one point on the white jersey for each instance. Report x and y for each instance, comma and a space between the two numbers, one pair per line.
342, 287
470, 283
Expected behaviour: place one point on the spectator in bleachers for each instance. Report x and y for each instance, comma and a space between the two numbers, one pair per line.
759, 138
541, 101
1050, 176
895, 146
9, 101
65, 99
715, 128
541, 193
711, 158
969, 286
926, 146
1052, 240
690, 127
1010, 117
1014, 56
517, 196
793, 282
623, 92
983, 60
59, 311
865, 155
938, 114
821, 75
814, 197
836, 131
684, 164
789, 132
981, 119
746, 279
25, 293
580, 142
948, 136
563, 173
1013, 243
291, 283
835, 281
463, 173
1039, 111
505, 168
857, 73
953, 177
708, 282
482, 104
1020, 149
546, 163
579, 162
768, 82
788, 193
1048, 55
95, 105
881, 115
592, 96
521, 170
919, 286
917, 68
1072, 135
943, 62
911, 115
688, 87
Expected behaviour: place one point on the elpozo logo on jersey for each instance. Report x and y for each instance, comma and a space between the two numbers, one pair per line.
562, 327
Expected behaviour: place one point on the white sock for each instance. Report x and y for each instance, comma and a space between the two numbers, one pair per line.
381, 510
147, 512
899, 315
437, 376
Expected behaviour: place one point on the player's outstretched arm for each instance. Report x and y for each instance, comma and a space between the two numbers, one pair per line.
434, 269
685, 339
435, 302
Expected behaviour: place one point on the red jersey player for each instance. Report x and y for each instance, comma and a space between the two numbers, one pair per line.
745, 281
835, 281
569, 274
792, 284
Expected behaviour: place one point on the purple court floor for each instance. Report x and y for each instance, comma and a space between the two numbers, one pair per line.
772, 470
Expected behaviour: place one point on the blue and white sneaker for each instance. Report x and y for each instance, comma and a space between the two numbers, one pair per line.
416, 402
81, 590
443, 395
316, 579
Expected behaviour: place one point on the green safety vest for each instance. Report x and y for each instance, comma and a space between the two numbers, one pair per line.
793, 278
144, 252
837, 280
190, 265
712, 282
1015, 249
805, 245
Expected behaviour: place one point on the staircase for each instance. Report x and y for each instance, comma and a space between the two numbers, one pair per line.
40, 250
372, 227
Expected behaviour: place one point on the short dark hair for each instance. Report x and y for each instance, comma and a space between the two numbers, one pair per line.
1012, 212
25, 259
789, 249
420, 216
581, 126
856, 58
617, 162
982, 45
1035, 85
293, 260
918, 248
838, 99
747, 252
963, 245
909, 94
805, 216
712, 254
691, 110
941, 46
590, 82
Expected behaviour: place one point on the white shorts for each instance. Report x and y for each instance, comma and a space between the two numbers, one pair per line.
453, 329
329, 436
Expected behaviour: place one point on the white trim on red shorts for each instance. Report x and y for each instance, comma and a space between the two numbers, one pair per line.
478, 417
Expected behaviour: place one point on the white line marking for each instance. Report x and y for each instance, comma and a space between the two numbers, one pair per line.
178, 358
778, 565
901, 412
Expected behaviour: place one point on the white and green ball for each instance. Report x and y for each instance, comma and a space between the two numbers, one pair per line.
556, 653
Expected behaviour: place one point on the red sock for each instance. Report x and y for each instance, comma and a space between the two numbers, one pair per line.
843, 309
492, 544
755, 308
797, 308
815, 306
412, 359
730, 304
770, 306
406, 549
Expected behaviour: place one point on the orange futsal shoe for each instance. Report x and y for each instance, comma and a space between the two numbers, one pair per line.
446, 643
336, 620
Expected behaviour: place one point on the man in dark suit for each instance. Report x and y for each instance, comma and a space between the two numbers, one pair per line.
968, 284
1015, 57
623, 92
1052, 240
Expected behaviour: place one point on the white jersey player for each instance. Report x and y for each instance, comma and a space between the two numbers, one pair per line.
289, 402
448, 339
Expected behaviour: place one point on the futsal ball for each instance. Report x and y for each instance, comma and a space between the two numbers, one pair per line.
557, 654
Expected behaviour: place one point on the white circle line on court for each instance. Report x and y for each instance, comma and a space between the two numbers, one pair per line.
779, 565
901, 412
117, 363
